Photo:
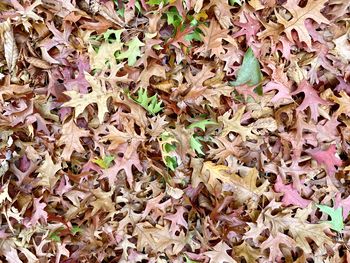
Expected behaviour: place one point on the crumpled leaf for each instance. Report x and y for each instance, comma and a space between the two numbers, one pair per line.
9, 43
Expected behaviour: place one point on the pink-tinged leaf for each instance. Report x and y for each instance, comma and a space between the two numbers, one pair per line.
291, 195
342, 86
249, 28
326, 132
80, 82
61, 251
321, 59
177, 219
273, 244
219, 254
327, 158
155, 206
311, 99
344, 203
3, 234
39, 212
286, 47
23, 164
64, 186
123, 163
283, 91
11, 255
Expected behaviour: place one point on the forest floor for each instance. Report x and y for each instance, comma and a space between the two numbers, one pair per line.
174, 131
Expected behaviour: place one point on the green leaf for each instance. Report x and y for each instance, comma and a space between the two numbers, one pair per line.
157, 2
105, 162
55, 236
233, 2
173, 17
133, 51
201, 124
75, 230
249, 72
171, 162
336, 215
194, 140
152, 105
188, 260
167, 147
113, 35
194, 35
196, 144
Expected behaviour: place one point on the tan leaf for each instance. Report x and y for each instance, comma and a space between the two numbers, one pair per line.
300, 14
152, 70
219, 254
70, 137
98, 95
234, 125
342, 46
103, 201
39, 63
222, 11
244, 188
10, 48
47, 172
212, 39
117, 137
245, 250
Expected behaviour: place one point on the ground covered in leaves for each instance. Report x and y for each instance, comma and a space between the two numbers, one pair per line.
174, 131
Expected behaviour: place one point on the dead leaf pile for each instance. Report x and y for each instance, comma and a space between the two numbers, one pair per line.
174, 131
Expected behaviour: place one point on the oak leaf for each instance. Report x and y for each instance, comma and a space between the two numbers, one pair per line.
327, 158
291, 195
10, 47
234, 124
38, 212
102, 201
70, 137
336, 221
212, 38
245, 250
244, 188
98, 95
219, 254
273, 243
47, 172
123, 162
300, 14
311, 99
133, 51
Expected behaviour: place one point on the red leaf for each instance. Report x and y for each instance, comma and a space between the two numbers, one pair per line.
291, 195
328, 158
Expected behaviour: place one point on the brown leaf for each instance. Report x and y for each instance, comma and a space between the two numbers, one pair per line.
213, 36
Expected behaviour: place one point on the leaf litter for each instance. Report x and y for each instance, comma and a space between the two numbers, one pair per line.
174, 131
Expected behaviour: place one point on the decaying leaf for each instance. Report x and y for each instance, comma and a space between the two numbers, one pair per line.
174, 131
9, 43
